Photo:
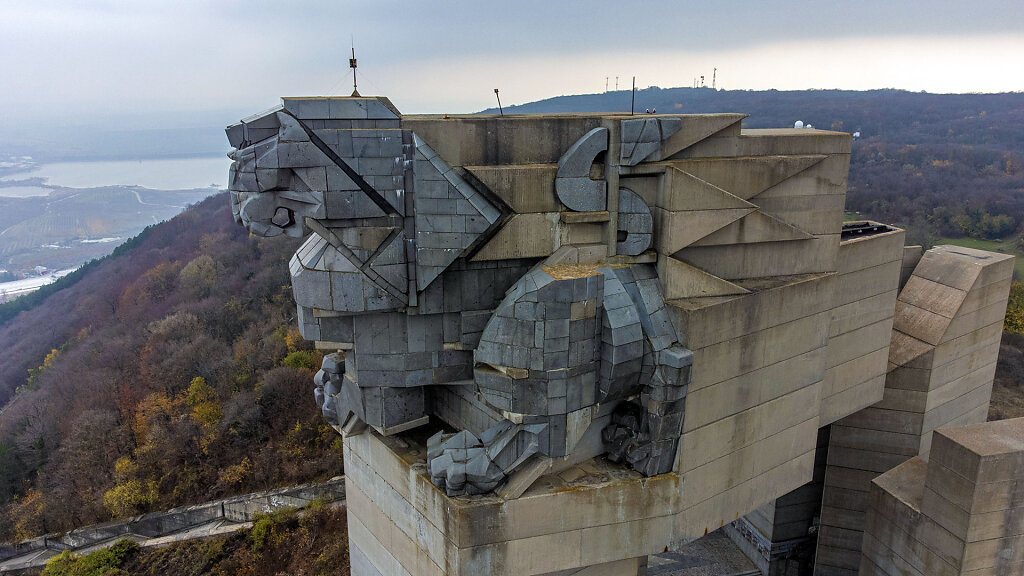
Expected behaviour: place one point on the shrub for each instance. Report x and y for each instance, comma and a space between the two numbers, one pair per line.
105, 562
1015, 310
308, 359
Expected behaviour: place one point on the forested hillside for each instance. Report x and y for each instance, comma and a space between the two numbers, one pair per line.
168, 373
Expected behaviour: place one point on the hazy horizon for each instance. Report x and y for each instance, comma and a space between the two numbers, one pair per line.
115, 67
66, 58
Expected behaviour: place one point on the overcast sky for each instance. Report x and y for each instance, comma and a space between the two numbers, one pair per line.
136, 60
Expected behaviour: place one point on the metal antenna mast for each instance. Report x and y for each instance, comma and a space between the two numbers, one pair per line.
632, 100
352, 65
714, 78
498, 96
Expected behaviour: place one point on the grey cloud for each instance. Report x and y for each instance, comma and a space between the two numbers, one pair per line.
64, 59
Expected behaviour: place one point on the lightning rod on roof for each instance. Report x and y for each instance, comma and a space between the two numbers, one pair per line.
352, 65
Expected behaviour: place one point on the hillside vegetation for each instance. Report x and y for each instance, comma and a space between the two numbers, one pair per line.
168, 373
314, 542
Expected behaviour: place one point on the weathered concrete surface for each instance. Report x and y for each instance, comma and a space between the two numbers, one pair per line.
780, 536
960, 513
492, 275
945, 340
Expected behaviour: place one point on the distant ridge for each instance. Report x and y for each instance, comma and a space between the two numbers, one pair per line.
871, 112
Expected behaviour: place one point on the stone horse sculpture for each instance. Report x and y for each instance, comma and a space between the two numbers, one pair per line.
504, 299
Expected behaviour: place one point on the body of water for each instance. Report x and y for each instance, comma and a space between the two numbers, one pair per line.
23, 191
11, 290
162, 174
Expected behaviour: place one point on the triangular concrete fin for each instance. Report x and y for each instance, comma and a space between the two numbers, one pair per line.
684, 191
444, 230
747, 176
695, 129
677, 230
682, 280
754, 228
389, 263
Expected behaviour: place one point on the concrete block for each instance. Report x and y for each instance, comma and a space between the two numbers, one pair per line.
719, 475
986, 451
867, 282
731, 358
697, 128
526, 188
861, 313
870, 366
858, 343
713, 513
708, 443
826, 178
755, 388
965, 323
524, 236
754, 228
851, 400
684, 281
705, 321
770, 142
860, 253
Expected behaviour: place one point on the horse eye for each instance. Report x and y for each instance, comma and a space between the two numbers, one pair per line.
283, 218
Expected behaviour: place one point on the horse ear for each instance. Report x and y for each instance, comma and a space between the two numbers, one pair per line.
255, 128
450, 214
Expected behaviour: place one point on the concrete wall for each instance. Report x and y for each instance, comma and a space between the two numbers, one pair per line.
158, 524
945, 341
779, 537
960, 513
863, 305
791, 328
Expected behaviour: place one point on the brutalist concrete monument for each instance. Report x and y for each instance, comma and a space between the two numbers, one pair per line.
561, 343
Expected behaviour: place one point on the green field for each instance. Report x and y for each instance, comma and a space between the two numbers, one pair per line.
1008, 246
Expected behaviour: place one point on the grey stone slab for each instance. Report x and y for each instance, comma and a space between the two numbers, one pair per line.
307, 108
582, 194
346, 109
375, 109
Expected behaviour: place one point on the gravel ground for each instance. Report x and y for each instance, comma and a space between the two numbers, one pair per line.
712, 555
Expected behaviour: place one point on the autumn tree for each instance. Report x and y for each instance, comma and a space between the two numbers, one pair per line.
1014, 323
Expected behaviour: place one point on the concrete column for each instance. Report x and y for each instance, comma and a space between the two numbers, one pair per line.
960, 513
780, 536
942, 359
